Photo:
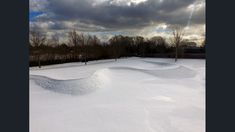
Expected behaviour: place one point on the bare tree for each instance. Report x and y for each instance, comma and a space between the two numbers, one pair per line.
139, 42
177, 32
36, 39
158, 40
87, 41
95, 40
74, 40
54, 41
115, 46
84, 40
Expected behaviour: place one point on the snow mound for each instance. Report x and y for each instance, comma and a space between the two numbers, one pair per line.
179, 72
176, 72
162, 64
72, 86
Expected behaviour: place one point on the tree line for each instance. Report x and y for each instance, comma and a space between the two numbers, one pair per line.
83, 47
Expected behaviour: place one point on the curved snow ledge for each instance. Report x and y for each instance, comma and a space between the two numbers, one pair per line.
73, 86
176, 72
162, 64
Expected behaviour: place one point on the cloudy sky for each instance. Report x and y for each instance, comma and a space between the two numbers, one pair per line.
105, 18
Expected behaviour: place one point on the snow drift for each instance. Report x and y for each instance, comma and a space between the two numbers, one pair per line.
176, 72
72, 86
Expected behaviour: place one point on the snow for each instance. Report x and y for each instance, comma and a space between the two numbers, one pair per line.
127, 95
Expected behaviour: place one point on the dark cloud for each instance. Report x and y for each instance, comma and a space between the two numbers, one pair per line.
116, 16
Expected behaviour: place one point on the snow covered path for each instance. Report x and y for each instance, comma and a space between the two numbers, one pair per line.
129, 95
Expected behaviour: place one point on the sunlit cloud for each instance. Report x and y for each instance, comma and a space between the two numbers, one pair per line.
105, 18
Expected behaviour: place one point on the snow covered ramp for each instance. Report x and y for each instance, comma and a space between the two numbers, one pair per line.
72, 86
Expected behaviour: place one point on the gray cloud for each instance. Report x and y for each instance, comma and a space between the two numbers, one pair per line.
37, 5
113, 15
116, 16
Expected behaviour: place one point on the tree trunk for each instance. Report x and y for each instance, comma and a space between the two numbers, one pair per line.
85, 54
39, 62
176, 53
176, 56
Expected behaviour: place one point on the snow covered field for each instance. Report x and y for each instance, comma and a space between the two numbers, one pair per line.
129, 95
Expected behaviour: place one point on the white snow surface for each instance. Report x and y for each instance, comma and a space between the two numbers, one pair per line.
127, 95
